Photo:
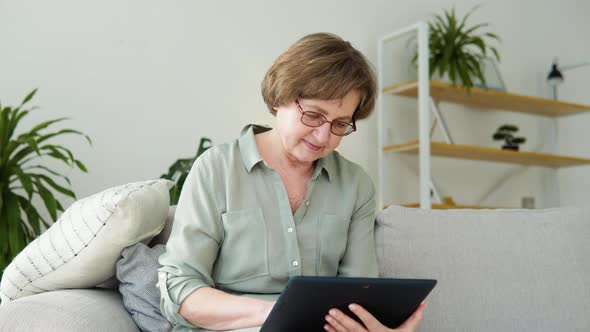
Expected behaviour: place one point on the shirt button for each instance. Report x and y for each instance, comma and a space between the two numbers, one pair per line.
306, 203
295, 263
290, 230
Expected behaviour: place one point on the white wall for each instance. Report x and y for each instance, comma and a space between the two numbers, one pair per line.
147, 79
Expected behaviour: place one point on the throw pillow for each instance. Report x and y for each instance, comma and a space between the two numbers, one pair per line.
162, 238
82, 247
137, 272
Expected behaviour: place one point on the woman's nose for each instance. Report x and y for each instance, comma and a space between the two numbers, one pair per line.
323, 132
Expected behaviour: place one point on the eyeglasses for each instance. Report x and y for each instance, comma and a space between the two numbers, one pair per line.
315, 119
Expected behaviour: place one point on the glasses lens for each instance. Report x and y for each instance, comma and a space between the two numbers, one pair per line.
341, 128
313, 119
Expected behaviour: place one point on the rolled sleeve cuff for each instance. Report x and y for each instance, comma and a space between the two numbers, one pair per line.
169, 308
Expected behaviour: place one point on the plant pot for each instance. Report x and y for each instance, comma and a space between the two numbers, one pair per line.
445, 78
510, 147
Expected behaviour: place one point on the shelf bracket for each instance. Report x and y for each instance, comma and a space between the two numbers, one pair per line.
441, 122
435, 191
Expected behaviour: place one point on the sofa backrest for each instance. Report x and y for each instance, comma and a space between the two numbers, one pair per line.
497, 270
162, 238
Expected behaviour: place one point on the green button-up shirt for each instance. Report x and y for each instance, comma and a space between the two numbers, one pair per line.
234, 229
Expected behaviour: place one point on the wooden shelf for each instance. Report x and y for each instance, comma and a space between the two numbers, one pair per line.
490, 99
490, 154
448, 207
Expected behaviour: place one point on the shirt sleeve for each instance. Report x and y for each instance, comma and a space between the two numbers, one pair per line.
360, 258
194, 241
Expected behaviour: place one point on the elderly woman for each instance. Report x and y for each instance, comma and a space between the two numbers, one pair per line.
278, 202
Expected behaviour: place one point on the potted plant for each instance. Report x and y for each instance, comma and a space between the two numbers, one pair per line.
180, 169
457, 50
23, 176
506, 133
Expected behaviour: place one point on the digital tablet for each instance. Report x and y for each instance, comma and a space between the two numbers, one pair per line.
304, 303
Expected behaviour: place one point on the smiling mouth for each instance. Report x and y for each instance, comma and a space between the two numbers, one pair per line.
311, 146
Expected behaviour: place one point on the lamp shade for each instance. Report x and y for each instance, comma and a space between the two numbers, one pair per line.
555, 77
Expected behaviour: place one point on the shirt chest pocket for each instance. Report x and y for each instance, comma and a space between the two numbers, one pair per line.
243, 252
333, 236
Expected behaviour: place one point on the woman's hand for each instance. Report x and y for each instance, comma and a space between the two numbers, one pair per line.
340, 322
266, 310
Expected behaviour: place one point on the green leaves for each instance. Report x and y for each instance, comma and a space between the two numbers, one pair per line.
23, 177
4, 129
507, 133
180, 169
32, 217
81, 166
48, 199
44, 178
458, 50
16, 238
25, 180
29, 97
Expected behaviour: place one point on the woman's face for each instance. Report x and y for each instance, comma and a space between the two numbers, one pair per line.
305, 144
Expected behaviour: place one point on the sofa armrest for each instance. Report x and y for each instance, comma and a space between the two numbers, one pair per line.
67, 310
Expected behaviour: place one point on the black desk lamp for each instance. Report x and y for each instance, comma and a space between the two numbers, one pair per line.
555, 76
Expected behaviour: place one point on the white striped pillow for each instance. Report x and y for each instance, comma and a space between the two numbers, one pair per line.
81, 249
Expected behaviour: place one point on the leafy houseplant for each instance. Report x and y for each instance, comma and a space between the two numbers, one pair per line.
180, 169
458, 50
23, 176
505, 133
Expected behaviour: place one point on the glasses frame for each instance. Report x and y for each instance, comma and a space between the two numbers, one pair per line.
325, 120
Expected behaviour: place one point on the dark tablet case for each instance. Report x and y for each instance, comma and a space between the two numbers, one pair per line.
305, 301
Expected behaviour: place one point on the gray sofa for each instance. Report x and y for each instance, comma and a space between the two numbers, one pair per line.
497, 270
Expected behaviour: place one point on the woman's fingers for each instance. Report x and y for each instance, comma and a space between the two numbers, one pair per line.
342, 323
329, 328
412, 323
335, 324
370, 322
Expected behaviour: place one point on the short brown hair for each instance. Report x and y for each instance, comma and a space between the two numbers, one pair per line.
320, 66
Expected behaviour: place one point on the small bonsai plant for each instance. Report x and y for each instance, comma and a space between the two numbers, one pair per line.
180, 169
506, 133
458, 50
24, 175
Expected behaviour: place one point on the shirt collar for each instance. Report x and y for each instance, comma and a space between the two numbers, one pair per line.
251, 156
248, 149
325, 164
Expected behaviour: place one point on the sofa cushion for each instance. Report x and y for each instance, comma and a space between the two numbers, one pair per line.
86, 310
497, 270
81, 249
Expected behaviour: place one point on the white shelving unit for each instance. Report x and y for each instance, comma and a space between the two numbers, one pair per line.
428, 93
421, 28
